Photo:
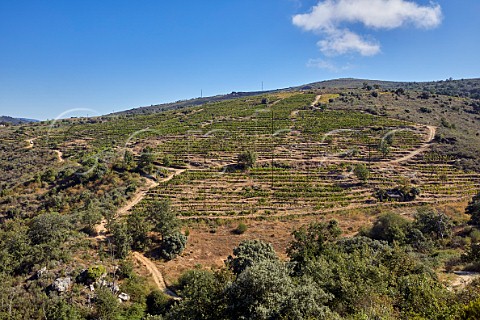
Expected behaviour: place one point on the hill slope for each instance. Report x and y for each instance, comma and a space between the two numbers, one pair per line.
10, 120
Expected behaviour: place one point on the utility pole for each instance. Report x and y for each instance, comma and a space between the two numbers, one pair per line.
273, 144
262, 85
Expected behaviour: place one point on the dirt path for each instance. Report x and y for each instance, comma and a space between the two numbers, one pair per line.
30, 143
101, 230
152, 269
317, 99
294, 113
156, 274
142, 193
462, 279
59, 155
424, 147
137, 197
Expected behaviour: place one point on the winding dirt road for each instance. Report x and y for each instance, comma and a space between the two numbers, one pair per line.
317, 99
152, 269
59, 155
424, 147
101, 230
30, 143
156, 274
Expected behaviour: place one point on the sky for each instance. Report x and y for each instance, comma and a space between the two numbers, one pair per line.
74, 58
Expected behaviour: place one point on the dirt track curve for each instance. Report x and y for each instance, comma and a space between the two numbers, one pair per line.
59, 155
156, 274
152, 269
424, 147
101, 230
31, 144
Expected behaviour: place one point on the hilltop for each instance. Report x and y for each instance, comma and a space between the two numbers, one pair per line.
462, 88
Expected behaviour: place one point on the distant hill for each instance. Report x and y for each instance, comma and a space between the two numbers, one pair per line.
10, 120
189, 103
461, 88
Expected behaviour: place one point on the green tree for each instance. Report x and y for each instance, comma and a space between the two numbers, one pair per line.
248, 253
266, 291
90, 218
433, 223
389, 227
49, 228
162, 216
147, 157
122, 240
361, 172
157, 302
15, 248
106, 305
94, 273
310, 242
49, 175
173, 245
420, 295
247, 159
59, 309
138, 228
202, 294
128, 160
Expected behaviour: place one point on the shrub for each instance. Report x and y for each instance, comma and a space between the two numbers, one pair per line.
362, 172
389, 227
241, 228
94, 273
173, 245
248, 253
247, 159
473, 209
157, 302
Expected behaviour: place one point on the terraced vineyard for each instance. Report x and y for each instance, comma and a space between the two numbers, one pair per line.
305, 161
306, 149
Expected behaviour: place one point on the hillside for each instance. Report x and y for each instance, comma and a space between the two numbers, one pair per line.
356, 190
469, 88
463, 88
14, 121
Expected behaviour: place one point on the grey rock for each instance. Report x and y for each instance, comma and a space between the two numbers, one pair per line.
62, 284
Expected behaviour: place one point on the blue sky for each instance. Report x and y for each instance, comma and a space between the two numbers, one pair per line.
110, 55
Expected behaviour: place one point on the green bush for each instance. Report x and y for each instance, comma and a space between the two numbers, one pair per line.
157, 303
247, 159
173, 245
362, 172
248, 253
95, 272
389, 227
241, 228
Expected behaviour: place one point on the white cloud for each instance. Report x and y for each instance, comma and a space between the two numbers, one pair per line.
345, 41
327, 65
328, 16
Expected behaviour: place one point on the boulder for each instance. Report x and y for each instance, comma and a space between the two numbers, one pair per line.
62, 284
123, 297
